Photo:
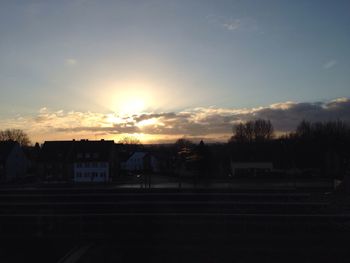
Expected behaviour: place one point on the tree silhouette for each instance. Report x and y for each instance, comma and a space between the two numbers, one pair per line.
323, 131
262, 130
321, 145
183, 143
253, 131
130, 140
15, 135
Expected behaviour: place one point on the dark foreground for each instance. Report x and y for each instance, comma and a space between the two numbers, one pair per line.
252, 248
114, 225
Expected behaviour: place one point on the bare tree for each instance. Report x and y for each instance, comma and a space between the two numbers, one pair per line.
15, 135
129, 140
323, 130
239, 133
303, 129
183, 143
263, 130
258, 130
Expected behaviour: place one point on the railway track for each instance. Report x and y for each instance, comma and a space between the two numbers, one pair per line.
76, 212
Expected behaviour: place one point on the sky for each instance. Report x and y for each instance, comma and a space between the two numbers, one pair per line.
159, 70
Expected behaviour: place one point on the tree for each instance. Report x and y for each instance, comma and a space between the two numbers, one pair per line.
258, 130
262, 130
130, 140
303, 129
15, 135
183, 143
325, 131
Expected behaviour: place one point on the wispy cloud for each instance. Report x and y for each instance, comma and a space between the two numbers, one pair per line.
204, 122
70, 61
239, 24
232, 25
330, 64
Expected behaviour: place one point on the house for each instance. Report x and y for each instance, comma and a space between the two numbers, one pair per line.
93, 161
141, 161
32, 153
54, 161
13, 162
78, 161
249, 169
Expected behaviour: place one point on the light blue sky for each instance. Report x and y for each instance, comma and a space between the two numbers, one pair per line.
74, 54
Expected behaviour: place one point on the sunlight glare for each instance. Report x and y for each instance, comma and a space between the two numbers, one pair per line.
129, 98
147, 122
132, 106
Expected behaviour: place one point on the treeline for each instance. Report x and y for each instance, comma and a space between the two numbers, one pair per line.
313, 149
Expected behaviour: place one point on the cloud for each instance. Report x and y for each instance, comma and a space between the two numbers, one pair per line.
202, 122
71, 61
232, 25
241, 24
330, 64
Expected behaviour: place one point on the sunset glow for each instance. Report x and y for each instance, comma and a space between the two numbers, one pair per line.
148, 122
126, 98
161, 70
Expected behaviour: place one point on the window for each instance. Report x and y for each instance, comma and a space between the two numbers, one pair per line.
79, 165
79, 155
87, 165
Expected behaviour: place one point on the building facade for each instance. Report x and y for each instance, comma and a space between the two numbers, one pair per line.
78, 161
141, 161
13, 162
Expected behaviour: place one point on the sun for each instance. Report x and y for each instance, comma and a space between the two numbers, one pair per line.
128, 98
132, 106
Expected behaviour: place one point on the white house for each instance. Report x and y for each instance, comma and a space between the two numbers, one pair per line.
140, 161
91, 171
93, 161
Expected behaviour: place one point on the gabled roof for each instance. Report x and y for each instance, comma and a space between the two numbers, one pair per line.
55, 151
92, 150
5, 149
138, 155
83, 150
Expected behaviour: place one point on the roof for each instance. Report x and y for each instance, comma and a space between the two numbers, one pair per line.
83, 150
55, 151
139, 155
5, 149
124, 156
32, 152
92, 150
